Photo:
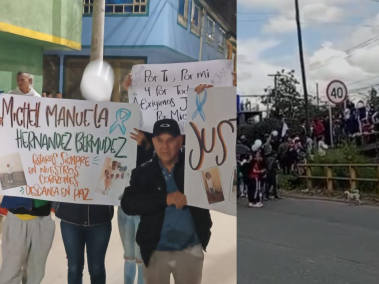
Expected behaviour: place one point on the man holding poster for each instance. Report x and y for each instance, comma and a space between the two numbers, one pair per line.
169, 231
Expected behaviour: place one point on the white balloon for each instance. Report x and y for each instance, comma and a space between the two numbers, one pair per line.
255, 148
275, 133
258, 143
97, 82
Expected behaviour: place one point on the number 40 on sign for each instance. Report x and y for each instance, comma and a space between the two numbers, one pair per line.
336, 92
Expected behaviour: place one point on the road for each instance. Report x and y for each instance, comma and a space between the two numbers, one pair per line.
305, 242
219, 265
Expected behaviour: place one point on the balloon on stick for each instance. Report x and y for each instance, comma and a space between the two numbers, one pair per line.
97, 82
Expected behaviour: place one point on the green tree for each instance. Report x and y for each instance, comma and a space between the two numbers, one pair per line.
373, 97
285, 100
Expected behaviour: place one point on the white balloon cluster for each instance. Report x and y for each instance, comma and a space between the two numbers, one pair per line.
97, 82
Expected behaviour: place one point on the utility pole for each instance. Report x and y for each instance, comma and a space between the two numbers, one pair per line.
276, 76
275, 90
318, 96
98, 19
202, 33
301, 55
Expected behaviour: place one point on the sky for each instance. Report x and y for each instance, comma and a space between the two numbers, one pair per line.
340, 40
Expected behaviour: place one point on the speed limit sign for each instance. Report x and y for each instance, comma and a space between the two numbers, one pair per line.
336, 92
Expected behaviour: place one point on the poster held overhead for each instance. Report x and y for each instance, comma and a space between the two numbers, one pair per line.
211, 133
161, 90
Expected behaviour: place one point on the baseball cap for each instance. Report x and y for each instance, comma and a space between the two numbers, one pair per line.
168, 126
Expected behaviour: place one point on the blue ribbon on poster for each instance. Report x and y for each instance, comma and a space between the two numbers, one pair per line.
122, 115
199, 106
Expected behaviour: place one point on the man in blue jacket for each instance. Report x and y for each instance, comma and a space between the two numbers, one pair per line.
171, 235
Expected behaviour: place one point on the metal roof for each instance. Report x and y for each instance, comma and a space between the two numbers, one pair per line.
227, 9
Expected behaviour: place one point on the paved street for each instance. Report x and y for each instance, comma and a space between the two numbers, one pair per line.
219, 267
306, 242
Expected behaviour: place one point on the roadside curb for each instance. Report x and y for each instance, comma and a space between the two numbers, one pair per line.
310, 197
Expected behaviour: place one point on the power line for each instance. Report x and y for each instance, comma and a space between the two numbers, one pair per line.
313, 23
258, 13
362, 80
349, 52
284, 14
362, 88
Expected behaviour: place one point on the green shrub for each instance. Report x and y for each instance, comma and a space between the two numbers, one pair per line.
345, 155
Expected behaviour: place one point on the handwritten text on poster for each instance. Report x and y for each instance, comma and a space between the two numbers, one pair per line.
161, 90
64, 147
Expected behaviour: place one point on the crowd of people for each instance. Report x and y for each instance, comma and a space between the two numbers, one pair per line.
274, 153
156, 226
356, 121
258, 168
48, 94
245, 106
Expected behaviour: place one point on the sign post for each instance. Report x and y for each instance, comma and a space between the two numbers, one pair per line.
336, 92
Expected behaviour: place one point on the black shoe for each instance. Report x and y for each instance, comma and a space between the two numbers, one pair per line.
277, 197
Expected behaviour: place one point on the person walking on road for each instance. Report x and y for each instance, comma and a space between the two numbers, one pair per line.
255, 179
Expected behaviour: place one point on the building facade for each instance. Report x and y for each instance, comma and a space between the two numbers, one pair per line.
144, 32
28, 28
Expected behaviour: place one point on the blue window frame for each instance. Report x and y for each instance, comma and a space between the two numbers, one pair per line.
183, 13
182, 4
119, 6
195, 19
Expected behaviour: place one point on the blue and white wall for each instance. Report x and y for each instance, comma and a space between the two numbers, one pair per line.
156, 35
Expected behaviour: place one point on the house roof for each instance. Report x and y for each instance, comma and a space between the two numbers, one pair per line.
227, 10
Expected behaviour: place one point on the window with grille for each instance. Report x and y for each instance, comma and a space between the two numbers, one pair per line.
210, 31
221, 40
74, 68
118, 6
183, 12
195, 19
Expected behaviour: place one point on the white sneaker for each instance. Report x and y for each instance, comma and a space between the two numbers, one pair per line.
258, 205
251, 204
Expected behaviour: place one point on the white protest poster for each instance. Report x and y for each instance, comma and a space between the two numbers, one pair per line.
161, 89
66, 150
210, 165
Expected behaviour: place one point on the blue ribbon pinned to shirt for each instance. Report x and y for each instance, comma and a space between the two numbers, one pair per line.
122, 115
199, 106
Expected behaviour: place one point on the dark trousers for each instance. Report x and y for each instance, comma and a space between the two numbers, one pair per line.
285, 164
254, 190
271, 183
96, 239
